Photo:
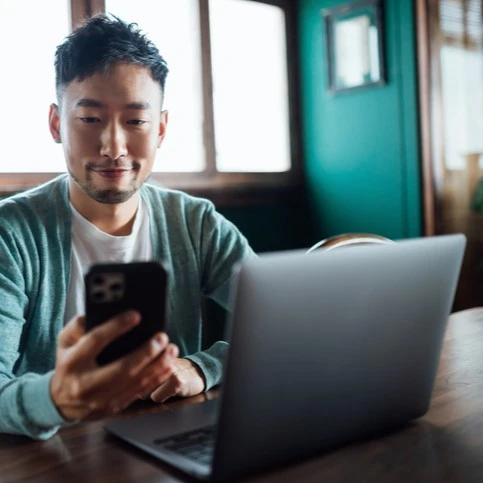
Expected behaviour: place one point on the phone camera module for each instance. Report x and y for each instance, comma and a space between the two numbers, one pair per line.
107, 287
98, 280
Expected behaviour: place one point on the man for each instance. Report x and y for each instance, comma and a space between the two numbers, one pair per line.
110, 82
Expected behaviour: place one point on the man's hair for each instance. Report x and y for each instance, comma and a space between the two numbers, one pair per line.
101, 42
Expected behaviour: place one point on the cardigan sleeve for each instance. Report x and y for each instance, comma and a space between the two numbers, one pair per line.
26, 406
222, 247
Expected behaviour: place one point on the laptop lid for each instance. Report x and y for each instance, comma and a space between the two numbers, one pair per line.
325, 348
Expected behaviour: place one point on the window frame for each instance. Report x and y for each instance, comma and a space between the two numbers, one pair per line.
228, 187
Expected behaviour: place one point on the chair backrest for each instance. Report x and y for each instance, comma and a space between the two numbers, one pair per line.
348, 239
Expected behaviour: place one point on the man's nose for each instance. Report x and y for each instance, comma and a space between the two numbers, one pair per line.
113, 141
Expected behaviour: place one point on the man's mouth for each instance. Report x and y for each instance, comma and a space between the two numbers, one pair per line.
114, 170
112, 173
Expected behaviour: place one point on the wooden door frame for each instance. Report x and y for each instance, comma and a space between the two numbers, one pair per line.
423, 42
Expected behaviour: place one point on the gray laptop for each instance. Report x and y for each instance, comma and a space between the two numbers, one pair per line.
325, 349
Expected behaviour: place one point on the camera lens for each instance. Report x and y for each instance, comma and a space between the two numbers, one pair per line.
115, 287
98, 280
99, 296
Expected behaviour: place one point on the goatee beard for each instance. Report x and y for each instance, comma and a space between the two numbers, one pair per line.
107, 196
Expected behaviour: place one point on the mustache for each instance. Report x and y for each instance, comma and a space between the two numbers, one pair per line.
113, 164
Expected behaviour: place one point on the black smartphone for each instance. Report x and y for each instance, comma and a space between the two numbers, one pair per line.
113, 288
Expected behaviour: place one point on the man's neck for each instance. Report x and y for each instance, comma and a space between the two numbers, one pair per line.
114, 219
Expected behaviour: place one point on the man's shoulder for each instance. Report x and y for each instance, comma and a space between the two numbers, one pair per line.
35, 202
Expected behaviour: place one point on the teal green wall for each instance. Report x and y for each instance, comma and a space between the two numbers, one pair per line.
361, 148
273, 226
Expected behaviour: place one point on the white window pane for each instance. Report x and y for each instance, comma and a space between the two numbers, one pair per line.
250, 86
462, 100
27, 49
174, 27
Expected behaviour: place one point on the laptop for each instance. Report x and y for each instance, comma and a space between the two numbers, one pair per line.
326, 348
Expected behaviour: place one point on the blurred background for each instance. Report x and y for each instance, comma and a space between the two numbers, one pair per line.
300, 119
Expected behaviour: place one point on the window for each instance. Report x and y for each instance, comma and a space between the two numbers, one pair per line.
462, 97
461, 68
28, 84
227, 91
250, 88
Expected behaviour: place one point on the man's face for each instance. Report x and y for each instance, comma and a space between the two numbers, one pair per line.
110, 126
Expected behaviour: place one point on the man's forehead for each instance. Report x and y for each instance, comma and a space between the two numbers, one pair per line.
128, 86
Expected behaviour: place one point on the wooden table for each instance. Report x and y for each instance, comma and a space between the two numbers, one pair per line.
444, 446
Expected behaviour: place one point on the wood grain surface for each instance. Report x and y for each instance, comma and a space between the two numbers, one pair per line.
446, 445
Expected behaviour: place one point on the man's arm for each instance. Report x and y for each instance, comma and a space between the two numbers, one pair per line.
25, 403
221, 247
78, 389
36, 405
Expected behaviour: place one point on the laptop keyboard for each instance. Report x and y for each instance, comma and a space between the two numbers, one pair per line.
197, 444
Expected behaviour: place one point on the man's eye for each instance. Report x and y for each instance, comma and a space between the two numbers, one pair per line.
89, 120
136, 122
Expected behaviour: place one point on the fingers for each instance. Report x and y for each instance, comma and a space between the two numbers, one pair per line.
122, 399
148, 384
138, 373
169, 356
100, 337
143, 381
139, 359
156, 352
168, 389
187, 380
72, 332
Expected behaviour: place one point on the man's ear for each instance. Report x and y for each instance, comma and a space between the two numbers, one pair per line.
163, 122
54, 122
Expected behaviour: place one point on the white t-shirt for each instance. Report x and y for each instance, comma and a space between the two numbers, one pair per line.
91, 245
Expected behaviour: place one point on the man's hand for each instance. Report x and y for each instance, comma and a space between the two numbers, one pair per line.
186, 380
81, 389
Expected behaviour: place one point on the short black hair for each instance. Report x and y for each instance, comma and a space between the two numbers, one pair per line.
100, 42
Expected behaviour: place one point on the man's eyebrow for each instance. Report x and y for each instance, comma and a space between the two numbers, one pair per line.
138, 105
87, 102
